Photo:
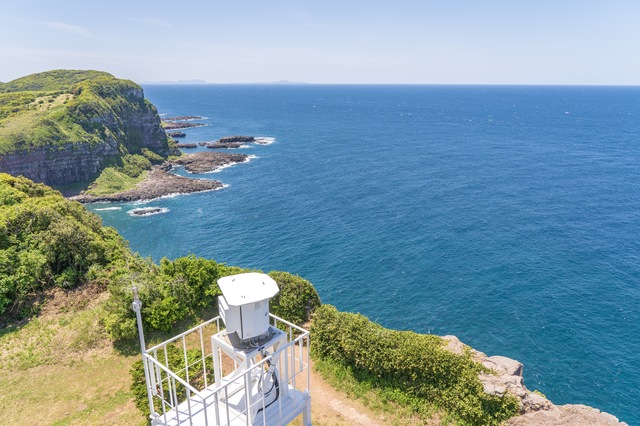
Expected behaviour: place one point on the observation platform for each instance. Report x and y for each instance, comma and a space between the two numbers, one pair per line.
220, 383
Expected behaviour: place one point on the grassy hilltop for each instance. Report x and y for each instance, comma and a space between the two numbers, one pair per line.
66, 126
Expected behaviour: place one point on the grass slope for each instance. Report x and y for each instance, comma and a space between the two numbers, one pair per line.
60, 107
62, 368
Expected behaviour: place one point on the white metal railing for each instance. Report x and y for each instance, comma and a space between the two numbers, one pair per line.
180, 373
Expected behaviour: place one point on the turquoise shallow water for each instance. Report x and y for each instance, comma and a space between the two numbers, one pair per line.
507, 216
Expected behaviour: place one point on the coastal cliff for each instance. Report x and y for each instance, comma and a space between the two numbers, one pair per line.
64, 127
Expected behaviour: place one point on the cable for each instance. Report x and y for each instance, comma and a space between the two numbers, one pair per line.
275, 385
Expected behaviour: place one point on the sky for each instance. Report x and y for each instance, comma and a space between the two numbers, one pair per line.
325, 41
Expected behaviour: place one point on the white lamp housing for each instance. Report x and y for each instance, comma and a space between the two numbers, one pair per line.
244, 303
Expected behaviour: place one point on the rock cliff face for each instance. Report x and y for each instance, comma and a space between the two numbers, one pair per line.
102, 119
70, 163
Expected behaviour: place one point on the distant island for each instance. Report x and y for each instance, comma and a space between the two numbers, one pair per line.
187, 82
175, 82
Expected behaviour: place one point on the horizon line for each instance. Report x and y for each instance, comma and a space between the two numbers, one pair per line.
281, 83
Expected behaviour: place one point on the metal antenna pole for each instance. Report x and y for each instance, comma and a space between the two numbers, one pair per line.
136, 305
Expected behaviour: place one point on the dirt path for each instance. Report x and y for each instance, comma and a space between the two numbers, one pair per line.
331, 407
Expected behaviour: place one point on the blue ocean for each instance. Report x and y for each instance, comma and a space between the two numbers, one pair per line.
508, 216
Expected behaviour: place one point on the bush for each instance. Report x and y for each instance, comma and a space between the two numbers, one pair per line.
152, 156
415, 364
296, 300
186, 289
46, 240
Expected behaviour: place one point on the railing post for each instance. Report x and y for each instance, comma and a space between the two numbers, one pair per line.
136, 305
306, 416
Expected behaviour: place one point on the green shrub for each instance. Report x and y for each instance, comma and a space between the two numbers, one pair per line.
415, 364
46, 240
186, 289
152, 156
296, 300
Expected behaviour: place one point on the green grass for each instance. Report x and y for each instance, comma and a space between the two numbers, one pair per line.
112, 181
51, 80
398, 407
61, 369
61, 107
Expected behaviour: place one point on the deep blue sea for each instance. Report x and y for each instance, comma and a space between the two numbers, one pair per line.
508, 216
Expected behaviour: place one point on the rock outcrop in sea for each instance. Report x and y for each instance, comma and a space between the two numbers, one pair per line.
230, 142
181, 122
159, 183
205, 162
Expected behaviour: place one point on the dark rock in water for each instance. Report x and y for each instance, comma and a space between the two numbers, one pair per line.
184, 118
146, 210
170, 125
224, 145
205, 162
187, 145
228, 139
177, 134
229, 142
202, 143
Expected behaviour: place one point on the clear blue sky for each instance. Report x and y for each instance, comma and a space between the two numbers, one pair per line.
326, 41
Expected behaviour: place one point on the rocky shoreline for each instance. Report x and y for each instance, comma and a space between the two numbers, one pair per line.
535, 408
161, 182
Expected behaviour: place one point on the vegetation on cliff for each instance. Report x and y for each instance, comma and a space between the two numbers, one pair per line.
49, 243
409, 368
89, 112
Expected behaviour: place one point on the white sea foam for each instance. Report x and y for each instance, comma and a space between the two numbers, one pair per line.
221, 168
265, 140
147, 211
106, 209
226, 166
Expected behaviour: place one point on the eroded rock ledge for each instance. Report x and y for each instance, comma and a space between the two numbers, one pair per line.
230, 142
161, 182
205, 162
535, 409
